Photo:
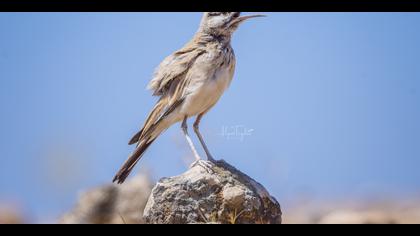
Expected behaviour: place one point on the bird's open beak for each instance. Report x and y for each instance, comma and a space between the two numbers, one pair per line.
241, 19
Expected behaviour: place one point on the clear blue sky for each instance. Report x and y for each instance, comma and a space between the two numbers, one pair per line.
332, 99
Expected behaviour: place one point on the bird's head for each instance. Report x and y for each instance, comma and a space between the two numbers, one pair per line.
223, 23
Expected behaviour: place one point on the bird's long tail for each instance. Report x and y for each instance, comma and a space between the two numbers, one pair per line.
132, 160
155, 124
144, 138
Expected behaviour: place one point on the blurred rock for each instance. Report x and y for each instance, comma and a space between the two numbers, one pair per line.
209, 193
112, 204
356, 212
10, 215
391, 213
357, 217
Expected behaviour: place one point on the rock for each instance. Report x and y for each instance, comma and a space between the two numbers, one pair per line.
375, 210
112, 204
10, 214
357, 217
211, 193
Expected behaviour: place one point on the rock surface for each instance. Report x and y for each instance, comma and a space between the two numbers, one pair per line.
211, 193
112, 204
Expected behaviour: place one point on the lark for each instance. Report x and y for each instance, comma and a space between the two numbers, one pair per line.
189, 83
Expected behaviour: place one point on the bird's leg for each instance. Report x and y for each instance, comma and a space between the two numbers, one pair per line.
184, 127
200, 137
206, 166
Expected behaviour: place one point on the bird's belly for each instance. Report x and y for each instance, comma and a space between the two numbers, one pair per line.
206, 94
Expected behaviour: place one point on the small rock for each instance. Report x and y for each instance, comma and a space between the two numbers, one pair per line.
112, 204
11, 215
211, 193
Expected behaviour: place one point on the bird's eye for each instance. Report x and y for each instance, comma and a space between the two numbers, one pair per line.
214, 13
218, 13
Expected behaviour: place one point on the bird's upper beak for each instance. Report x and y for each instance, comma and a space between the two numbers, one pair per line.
241, 19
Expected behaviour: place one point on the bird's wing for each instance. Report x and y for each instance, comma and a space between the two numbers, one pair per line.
174, 69
170, 82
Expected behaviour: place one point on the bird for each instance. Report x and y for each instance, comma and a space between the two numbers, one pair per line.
189, 82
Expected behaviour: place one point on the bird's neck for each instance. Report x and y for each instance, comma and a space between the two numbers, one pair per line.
204, 38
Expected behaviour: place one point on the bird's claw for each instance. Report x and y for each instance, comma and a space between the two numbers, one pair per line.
206, 165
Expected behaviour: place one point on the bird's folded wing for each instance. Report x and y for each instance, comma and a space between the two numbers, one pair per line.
170, 82
174, 69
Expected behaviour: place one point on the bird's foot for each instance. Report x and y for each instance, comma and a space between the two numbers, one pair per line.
206, 165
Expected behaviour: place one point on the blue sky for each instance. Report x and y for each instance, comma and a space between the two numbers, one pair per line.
331, 101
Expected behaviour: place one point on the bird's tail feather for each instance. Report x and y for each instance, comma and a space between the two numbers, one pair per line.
156, 123
128, 166
135, 139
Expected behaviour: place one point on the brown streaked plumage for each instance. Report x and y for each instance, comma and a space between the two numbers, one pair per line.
189, 82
